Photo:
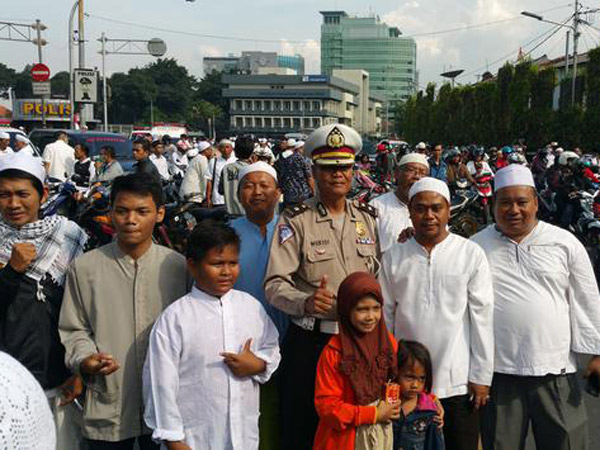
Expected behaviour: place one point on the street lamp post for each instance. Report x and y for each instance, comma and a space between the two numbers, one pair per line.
71, 86
575, 29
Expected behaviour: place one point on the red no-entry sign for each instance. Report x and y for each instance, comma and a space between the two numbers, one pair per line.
40, 72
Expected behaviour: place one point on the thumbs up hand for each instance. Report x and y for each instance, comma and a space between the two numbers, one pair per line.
323, 299
245, 363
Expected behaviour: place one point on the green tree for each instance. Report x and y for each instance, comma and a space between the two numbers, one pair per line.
591, 120
60, 85
502, 108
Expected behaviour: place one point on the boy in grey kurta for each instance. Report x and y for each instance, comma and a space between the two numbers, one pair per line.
112, 297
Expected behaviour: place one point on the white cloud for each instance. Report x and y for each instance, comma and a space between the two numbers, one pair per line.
310, 49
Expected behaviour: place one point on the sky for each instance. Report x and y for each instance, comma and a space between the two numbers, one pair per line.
193, 30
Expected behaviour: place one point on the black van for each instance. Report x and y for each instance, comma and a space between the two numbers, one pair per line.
93, 139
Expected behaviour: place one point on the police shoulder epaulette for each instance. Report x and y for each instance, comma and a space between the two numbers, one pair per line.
296, 210
366, 208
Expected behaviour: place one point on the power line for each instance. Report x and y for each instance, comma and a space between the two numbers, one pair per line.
550, 31
304, 42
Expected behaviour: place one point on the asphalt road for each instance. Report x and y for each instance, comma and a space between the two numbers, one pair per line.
593, 408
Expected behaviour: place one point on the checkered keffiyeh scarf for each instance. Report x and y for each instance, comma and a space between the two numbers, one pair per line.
57, 241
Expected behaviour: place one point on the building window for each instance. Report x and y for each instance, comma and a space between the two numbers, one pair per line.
257, 105
287, 106
268, 105
317, 106
239, 122
297, 123
248, 104
258, 122
268, 122
277, 105
296, 105
277, 122
306, 123
316, 122
238, 105
287, 123
306, 106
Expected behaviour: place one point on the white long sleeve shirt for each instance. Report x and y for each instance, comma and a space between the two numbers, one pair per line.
393, 217
547, 305
445, 301
193, 186
189, 392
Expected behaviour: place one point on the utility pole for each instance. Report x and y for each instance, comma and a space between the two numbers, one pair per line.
575, 44
71, 81
83, 115
104, 97
38, 27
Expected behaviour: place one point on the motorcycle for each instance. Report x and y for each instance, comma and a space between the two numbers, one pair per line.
364, 189
93, 215
60, 199
483, 185
462, 221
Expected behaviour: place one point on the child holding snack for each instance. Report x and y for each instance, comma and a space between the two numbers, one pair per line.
353, 371
208, 352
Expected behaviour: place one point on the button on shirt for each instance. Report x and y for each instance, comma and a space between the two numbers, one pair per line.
547, 304
393, 218
444, 300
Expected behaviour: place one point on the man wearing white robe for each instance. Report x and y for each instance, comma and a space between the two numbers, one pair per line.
547, 308
393, 216
190, 393
437, 290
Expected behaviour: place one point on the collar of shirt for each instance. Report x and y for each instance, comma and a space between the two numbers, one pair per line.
199, 294
124, 258
247, 224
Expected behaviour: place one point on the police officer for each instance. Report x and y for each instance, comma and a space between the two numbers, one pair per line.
316, 245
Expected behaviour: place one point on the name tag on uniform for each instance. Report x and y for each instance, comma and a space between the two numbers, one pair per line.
365, 240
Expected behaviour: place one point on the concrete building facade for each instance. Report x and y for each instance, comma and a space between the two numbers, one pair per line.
366, 43
250, 62
279, 104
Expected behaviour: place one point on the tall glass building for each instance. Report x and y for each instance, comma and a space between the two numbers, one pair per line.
367, 43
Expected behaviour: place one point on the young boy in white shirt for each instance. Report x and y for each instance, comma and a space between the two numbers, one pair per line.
208, 352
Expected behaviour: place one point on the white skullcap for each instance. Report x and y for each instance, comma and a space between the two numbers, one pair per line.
291, 142
416, 158
224, 142
26, 418
513, 175
421, 145
299, 144
262, 140
429, 184
192, 153
24, 162
4, 135
203, 146
22, 138
259, 166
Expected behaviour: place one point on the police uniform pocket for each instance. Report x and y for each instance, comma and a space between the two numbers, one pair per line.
320, 261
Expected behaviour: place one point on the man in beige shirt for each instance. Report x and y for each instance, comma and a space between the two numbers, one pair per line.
112, 297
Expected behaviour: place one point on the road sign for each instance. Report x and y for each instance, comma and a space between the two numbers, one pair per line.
41, 87
86, 85
40, 72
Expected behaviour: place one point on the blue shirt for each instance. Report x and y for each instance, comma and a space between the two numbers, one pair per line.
439, 171
254, 256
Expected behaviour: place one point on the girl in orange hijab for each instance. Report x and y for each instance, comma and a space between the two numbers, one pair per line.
353, 370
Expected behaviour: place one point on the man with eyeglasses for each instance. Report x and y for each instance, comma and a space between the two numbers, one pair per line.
393, 215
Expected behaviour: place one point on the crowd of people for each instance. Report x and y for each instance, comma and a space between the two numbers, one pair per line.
297, 317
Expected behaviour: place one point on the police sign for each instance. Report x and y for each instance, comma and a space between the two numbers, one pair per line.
86, 85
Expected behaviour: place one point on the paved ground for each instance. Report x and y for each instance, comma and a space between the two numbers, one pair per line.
593, 407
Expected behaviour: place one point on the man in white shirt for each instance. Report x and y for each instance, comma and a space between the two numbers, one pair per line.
215, 167
393, 207
547, 308
158, 159
22, 144
193, 186
438, 291
4, 141
59, 157
178, 160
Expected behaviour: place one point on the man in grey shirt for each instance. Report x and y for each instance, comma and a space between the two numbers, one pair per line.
229, 180
109, 168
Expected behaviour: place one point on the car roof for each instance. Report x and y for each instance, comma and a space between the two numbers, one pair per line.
12, 130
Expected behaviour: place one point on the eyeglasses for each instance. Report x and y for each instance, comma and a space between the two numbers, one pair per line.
414, 171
